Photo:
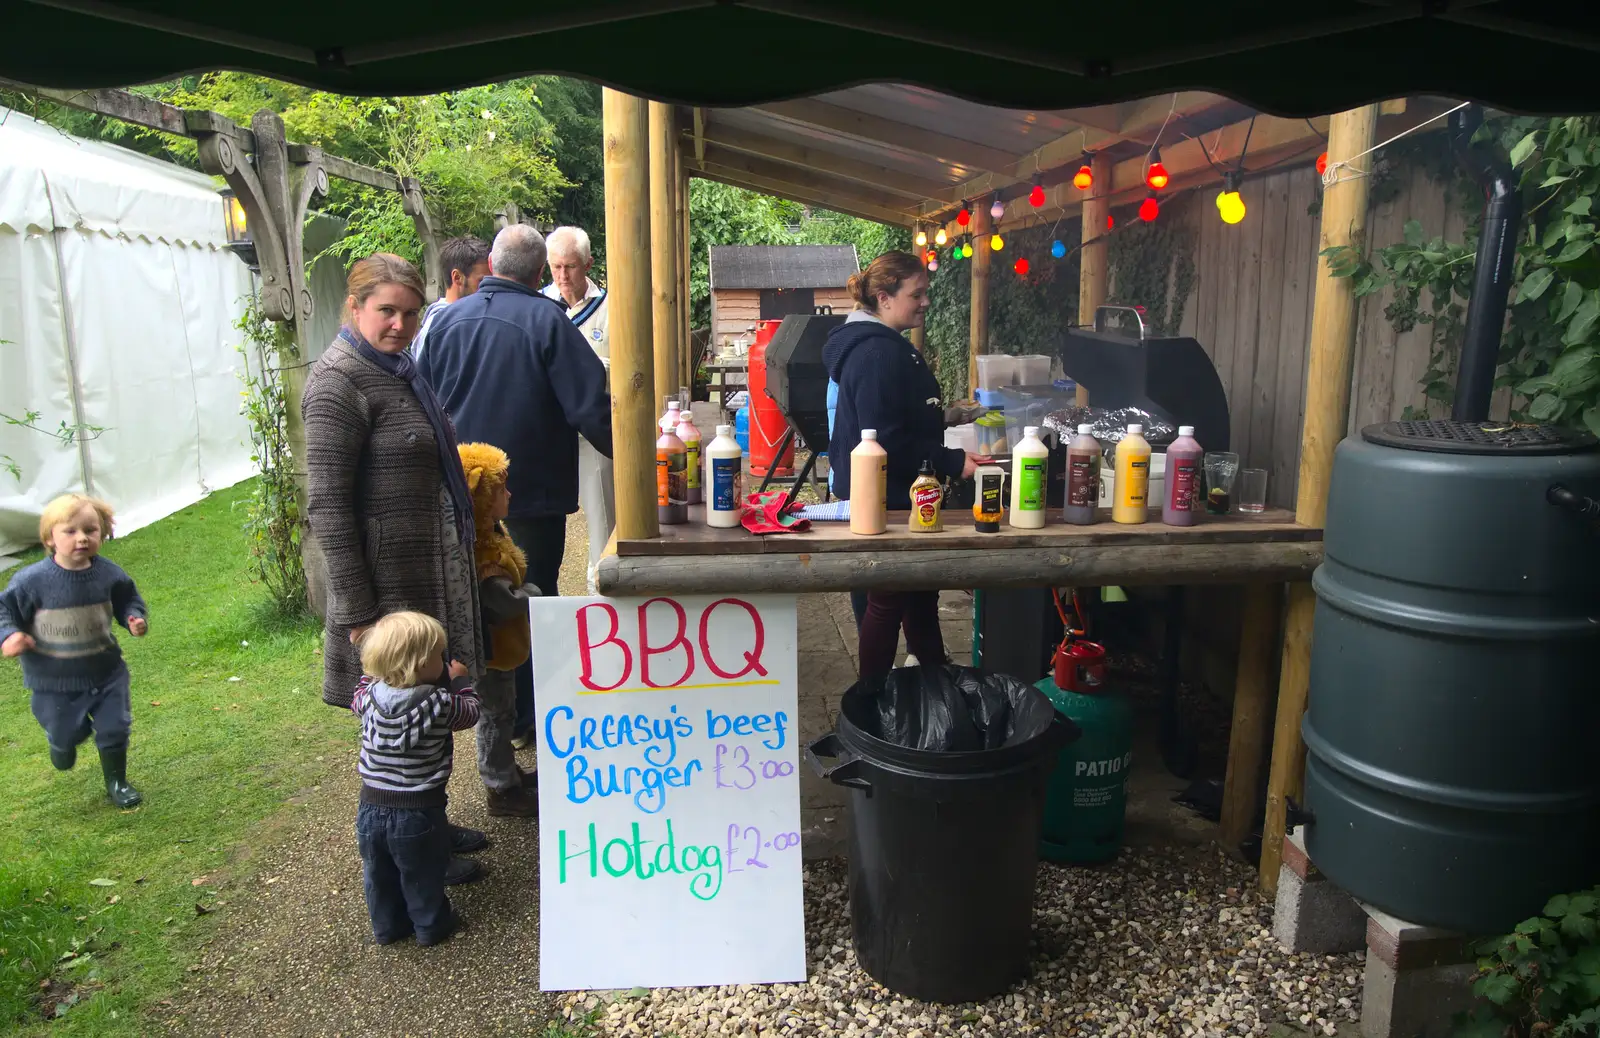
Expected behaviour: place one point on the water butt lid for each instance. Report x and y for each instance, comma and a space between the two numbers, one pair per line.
1489, 438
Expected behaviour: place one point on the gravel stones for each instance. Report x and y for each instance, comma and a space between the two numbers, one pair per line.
1163, 941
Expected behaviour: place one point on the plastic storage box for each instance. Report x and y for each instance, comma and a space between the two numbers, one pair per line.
1032, 370
996, 370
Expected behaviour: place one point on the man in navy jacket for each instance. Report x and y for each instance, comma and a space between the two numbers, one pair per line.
512, 370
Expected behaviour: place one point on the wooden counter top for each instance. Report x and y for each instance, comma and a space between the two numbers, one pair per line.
695, 559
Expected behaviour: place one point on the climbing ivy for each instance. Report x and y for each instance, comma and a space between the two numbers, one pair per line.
1152, 266
1550, 353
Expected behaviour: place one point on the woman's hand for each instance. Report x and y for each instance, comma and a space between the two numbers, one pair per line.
19, 643
457, 669
357, 632
970, 466
137, 626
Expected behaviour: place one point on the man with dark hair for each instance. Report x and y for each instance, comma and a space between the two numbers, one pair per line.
465, 262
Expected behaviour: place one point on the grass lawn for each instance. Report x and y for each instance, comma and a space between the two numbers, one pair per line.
98, 907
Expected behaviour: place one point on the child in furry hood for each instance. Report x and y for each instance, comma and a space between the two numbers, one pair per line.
502, 569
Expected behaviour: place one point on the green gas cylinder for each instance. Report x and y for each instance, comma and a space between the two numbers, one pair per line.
1088, 792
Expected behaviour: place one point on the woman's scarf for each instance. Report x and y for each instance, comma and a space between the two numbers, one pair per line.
401, 366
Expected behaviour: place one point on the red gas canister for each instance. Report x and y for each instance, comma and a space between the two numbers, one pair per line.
767, 424
1081, 667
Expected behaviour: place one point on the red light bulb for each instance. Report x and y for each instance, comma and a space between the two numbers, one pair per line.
1157, 176
1036, 196
1149, 209
1021, 266
964, 217
1111, 221
1083, 180
1322, 163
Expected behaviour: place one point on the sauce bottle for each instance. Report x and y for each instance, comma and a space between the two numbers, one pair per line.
1182, 499
724, 469
926, 498
1084, 456
1130, 503
670, 417
869, 485
690, 436
1029, 459
988, 500
672, 503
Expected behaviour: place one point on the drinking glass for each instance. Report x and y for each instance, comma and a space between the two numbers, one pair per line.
1252, 491
1221, 468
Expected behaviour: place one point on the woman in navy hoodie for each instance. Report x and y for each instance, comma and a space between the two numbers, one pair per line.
884, 384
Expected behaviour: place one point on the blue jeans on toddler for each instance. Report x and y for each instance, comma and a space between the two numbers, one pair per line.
404, 851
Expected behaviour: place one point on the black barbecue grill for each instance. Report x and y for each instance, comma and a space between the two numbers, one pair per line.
797, 380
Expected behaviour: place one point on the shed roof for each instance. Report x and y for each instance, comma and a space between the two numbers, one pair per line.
782, 266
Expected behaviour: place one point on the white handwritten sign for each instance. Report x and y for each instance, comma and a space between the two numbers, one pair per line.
669, 830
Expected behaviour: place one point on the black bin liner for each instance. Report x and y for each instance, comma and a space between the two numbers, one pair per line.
947, 770
948, 709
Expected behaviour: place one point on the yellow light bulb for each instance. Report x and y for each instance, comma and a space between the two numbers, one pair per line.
922, 238
1231, 207
996, 242
940, 238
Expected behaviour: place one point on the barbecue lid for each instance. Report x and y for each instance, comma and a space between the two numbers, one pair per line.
1499, 438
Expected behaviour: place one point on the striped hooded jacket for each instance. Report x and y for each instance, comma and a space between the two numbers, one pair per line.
408, 740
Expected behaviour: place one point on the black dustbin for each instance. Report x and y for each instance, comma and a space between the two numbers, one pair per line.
947, 768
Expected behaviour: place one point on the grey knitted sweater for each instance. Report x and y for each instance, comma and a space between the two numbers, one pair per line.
69, 614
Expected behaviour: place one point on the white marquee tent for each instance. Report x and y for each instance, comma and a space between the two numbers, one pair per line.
117, 310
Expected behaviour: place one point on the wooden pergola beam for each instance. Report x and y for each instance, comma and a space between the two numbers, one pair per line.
815, 182
700, 138
790, 153
875, 129
735, 178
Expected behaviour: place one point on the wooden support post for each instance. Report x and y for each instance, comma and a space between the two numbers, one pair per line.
916, 335
978, 321
626, 128
1252, 711
680, 196
663, 250
1093, 268
1328, 363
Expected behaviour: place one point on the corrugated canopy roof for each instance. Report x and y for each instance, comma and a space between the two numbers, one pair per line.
782, 266
1286, 58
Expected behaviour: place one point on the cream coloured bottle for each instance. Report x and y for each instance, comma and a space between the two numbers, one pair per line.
869, 485
724, 475
1029, 460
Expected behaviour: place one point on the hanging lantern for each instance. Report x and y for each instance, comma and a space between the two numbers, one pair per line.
964, 217
996, 242
1322, 163
940, 237
922, 238
998, 209
1036, 196
1083, 180
1058, 248
1156, 176
1021, 266
1149, 209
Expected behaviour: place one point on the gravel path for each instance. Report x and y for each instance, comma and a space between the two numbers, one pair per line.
1162, 942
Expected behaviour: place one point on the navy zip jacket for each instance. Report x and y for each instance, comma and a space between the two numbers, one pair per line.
511, 370
884, 384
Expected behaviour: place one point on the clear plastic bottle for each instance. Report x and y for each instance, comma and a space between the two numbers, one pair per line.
1084, 457
1181, 502
724, 472
1130, 503
1029, 460
690, 435
869, 485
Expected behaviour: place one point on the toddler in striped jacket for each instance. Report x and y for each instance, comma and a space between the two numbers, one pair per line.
410, 711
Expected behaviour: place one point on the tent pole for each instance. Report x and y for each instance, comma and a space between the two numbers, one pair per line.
1328, 364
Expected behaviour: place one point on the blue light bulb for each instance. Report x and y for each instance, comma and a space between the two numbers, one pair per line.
1058, 249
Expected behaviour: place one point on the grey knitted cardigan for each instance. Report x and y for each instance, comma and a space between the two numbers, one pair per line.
373, 503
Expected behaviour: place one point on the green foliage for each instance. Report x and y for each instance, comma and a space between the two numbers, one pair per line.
1550, 354
272, 524
1543, 978
1152, 265
723, 215
66, 433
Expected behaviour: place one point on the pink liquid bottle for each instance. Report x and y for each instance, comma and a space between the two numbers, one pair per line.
1183, 498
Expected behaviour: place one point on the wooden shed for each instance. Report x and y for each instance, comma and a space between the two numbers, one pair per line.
751, 283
